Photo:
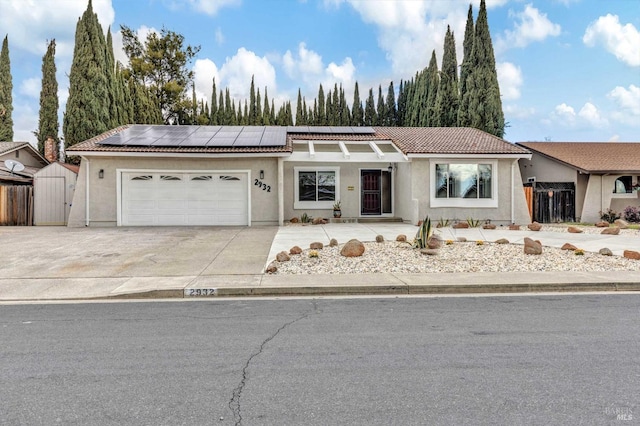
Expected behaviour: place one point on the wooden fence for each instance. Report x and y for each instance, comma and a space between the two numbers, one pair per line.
16, 205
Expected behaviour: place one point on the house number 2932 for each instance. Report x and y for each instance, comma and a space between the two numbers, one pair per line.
262, 185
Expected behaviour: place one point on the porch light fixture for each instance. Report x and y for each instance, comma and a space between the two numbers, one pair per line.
391, 167
101, 174
261, 174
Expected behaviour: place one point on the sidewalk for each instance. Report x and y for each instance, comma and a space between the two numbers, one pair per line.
206, 262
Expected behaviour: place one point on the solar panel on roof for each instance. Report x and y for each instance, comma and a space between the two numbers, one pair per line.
195, 141
253, 129
168, 142
363, 130
248, 141
221, 141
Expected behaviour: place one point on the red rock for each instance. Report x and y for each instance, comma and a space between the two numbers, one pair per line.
514, 227
460, 225
282, 257
316, 246
489, 226
429, 252
379, 239
401, 238
502, 241
434, 242
319, 221
532, 247
353, 248
614, 230
294, 220
535, 226
295, 250
574, 230
602, 224
621, 223
333, 242
631, 254
568, 246
272, 268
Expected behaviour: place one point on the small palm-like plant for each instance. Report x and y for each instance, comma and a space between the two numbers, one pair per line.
423, 234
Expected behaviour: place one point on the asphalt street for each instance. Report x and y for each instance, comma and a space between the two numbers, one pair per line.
561, 359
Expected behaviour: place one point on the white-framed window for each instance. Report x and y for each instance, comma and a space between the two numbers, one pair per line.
316, 187
464, 183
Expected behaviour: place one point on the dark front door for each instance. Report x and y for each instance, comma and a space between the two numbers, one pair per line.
375, 192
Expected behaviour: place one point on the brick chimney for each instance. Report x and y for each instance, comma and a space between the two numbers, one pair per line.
50, 150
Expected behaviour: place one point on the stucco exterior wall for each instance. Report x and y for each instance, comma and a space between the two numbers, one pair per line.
600, 197
23, 156
103, 192
502, 214
546, 170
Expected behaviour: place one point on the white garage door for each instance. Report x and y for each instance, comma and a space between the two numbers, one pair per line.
165, 198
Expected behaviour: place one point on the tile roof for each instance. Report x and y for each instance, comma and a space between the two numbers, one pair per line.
11, 146
591, 157
447, 140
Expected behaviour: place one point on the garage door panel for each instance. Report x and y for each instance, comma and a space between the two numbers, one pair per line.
189, 198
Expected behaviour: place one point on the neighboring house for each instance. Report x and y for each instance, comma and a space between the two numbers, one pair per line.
601, 175
25, 154
255, 175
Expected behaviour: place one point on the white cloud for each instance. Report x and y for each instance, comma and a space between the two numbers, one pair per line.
219, 36
205, 70
236, 74
588, 117
514, 111
30, 23
628, 101
532, 26
31, 87
510, 80
342, 73
621, 41
589, 113
210, 7
308, 67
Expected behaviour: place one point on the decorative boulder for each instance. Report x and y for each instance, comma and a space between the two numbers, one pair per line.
614, 230
434, 242
535, 226
333, 242
379, 239
602, 224
295, 250
294, 220
621, 223
272, 268
460, 225
502, 241
319, 221
574, 230
282, 257
532, 247
631, 254
316, 246
353, 248
428, 251
605, 252
514, 227
401, 238
489, 226
568, 246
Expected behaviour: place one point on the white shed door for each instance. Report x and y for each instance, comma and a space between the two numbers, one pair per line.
165, 198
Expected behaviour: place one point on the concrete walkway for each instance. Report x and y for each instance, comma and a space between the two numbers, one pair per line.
57, 263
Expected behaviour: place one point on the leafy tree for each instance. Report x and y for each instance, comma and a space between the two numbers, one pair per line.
87, 112
467, 47
48, 125
6, 98
357, 113
482, 98
161, 63
446, 110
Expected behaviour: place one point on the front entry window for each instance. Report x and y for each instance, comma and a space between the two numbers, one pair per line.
464, 184
316, 188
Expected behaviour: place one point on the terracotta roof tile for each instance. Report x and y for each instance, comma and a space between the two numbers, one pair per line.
591, 157
447, 140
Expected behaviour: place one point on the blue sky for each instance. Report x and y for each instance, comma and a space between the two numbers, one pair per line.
569, 70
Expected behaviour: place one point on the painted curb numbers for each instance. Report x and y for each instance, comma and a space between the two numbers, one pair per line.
200, 292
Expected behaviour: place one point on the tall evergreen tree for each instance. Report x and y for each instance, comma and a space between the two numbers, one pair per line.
331, 116
370, 116
253, 114
112, 84
381, 109
213, 110
432, 82
357, 113
482, 99
6, 98
447, 97
345, 114
87, 111
390, 109
467, 47
266, 113
48, 125
321, 114
299, 111
258, 121
402, 104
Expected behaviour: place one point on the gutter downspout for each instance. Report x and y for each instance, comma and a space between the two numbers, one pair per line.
86, 201
280, 191
513, 193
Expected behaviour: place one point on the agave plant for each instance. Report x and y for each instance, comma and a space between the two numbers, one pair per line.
423, 234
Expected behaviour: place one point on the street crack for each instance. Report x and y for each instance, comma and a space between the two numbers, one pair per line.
234, 403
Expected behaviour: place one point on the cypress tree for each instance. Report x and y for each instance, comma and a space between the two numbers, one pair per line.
48, 125
6, 98
336, 105
370, 116
391, 112
345, 114
482, 98
321, 113
432, 80
447, 100
127, 100
87, 112
357, 113
222, 110
381, 117
252, 114
467, 47
112, 84
330, 110
299, 113
402, 104
258, 121
272, 118
213, 111
266, 113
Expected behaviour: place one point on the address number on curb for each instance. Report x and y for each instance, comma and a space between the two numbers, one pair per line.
200, 292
